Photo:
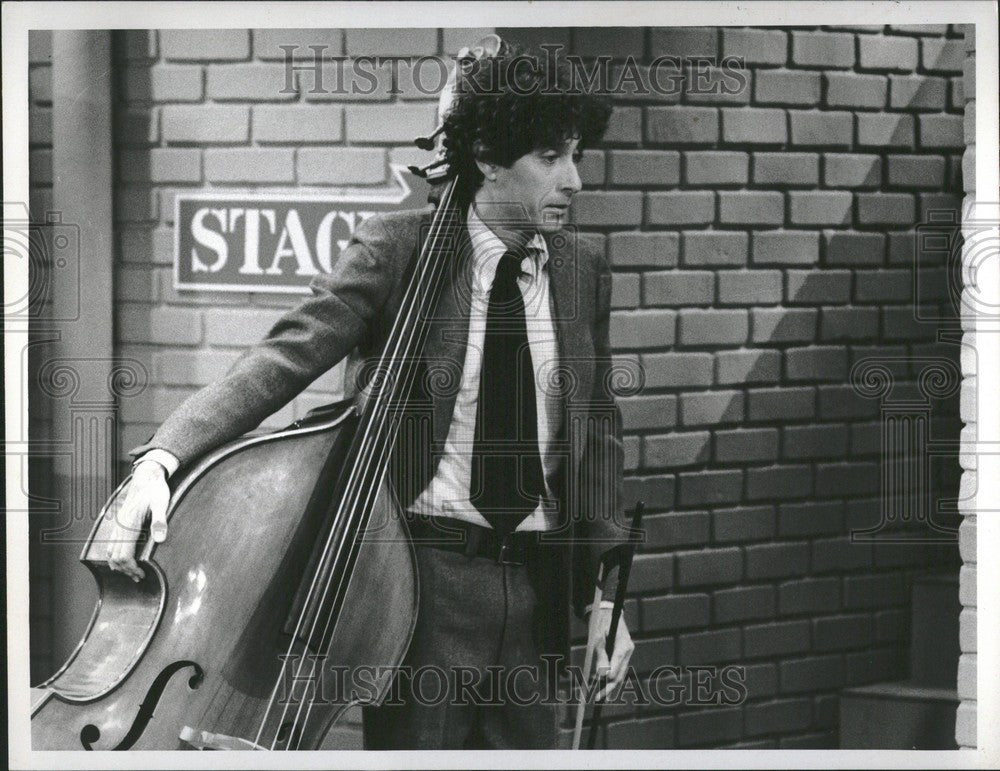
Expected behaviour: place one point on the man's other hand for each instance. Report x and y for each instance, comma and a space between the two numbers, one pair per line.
615, 669
147, 498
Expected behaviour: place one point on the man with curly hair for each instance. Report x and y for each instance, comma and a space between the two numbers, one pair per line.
524, 460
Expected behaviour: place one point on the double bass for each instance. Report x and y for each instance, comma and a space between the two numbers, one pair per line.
288, 562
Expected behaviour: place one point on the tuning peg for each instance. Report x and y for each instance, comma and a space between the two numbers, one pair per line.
423, 171
427, 143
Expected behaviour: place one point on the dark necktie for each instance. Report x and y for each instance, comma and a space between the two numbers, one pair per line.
507, 477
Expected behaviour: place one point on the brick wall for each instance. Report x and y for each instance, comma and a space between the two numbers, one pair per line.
965, 725
762, 244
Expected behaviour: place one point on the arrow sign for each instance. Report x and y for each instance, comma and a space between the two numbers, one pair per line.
274, 241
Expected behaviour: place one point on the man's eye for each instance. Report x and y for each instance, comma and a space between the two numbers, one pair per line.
550, 157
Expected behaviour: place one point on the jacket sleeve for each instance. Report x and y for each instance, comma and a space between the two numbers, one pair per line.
301, 346
603, 524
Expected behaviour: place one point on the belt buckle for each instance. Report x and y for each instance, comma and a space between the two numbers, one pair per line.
503, 554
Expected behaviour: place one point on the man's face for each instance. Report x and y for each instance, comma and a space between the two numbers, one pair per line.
534, 193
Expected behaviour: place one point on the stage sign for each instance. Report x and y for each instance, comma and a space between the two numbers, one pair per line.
273, 242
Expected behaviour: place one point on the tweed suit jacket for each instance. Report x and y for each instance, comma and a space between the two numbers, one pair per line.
350, 313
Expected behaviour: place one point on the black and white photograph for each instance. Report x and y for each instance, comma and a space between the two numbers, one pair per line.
477, 384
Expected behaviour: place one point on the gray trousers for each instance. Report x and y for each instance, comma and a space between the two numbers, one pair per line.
473, 677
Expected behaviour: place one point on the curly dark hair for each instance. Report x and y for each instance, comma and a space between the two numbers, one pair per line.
515, 103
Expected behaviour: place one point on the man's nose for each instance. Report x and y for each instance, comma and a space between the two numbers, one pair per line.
571, 180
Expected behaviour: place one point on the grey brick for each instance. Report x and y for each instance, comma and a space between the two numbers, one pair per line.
754, 366
250, 164
711, 407
678, 611
716, 168
746, 445
849, 324
255, 82
676, 370
751, 207
756, 46
645, 167
784, 247
822, 49
921, 171
684, 41
778, 482
744, 523
699, 488
682, 125
853, 248
605, 208
205, 44
917, 92
753, 125
687, 207
821, 128
718, 645
885, 130
820, 441
645, 412
851, 170
776, 639
643, 249
779, 404
679, 528
267, 42
785, 168
712, 327
787, 87
810, 518
809, 595
678, 287
783, 325
414, 41
880, 52
805, 286
206, 123
851, 89
811, 674
828, 207
742, 603
715, 248
816, 363
297, 124
676, 450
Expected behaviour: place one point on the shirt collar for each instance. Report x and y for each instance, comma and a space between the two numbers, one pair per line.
487, 249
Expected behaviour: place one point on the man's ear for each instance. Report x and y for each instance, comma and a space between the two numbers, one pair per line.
482, 154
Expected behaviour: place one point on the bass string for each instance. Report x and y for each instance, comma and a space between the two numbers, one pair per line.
378, 414
398, 390
384, 454
403, 323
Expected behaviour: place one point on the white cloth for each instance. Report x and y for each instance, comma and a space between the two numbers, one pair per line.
166, 459
447, 494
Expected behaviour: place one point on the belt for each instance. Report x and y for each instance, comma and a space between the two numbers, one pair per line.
474, 540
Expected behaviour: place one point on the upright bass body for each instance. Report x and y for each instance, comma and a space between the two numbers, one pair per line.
204, 652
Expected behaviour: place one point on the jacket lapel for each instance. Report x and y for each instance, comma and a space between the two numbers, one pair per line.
448, 336
568, 318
